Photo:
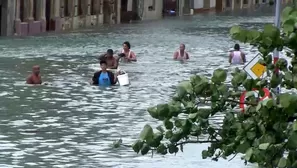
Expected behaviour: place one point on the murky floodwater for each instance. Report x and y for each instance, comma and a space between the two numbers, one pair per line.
72, 124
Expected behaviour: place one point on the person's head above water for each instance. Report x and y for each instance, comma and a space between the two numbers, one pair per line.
109, 53
103, 65
126, 45
236, 47
36, 69
182, 47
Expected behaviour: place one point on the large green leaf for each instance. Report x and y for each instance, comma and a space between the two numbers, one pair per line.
264, 146
282, 163
288, 26
146, 133
292, 141
219, 76
286, 12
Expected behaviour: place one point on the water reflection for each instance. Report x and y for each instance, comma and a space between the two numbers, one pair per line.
71, 124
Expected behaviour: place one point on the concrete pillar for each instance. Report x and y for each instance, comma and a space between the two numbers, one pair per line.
17, 22
55, 17
29, 10
232, 4
41, 6
17, 10
100, 18
57, 6
88, 7
241, 4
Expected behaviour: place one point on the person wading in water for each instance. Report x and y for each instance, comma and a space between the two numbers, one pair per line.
181, 54
129, 55
104, 77
35, 77
111, 59
236, 56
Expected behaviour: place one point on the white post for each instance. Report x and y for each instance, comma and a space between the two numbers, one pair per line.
277, 24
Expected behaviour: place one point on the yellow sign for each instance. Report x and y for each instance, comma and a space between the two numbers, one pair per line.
254, 69
258, 70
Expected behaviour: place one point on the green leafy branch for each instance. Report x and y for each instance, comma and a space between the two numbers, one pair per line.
265, 134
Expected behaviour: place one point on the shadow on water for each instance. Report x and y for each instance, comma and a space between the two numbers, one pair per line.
72, 124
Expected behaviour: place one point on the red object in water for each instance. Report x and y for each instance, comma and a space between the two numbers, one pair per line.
242, 98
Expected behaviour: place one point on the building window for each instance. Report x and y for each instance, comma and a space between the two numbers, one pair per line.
66, 8
124, 5
245, 2
152, 6
93, 7
79, 7
35, 9
22, 10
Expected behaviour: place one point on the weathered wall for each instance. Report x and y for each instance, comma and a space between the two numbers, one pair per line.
155, 12
212, 3
198, 4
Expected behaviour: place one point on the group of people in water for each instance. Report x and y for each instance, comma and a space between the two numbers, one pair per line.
110, 61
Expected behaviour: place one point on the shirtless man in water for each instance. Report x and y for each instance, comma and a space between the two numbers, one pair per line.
111, 60
35, 77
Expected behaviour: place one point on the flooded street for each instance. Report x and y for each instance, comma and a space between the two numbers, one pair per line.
72, 124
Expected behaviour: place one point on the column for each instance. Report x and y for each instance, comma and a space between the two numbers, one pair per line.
88, 7
233, 4
100, 17
57, 6
17, 10
241, 4
40, 10
29, 10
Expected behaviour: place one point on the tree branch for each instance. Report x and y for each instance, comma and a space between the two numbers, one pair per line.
194, 142
232, 157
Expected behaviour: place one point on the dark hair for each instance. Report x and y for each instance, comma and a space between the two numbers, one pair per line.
103, 62
236, 47
110, 51
128, 44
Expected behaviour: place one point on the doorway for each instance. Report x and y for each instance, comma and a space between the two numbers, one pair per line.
219, 5
48, 15
106, 12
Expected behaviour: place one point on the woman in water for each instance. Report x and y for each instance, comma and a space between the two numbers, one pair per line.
129, 55
181, 54
237, 56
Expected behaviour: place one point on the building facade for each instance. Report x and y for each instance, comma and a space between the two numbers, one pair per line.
31, 17
190, 7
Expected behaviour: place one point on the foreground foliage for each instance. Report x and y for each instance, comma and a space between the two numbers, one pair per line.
263, 134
